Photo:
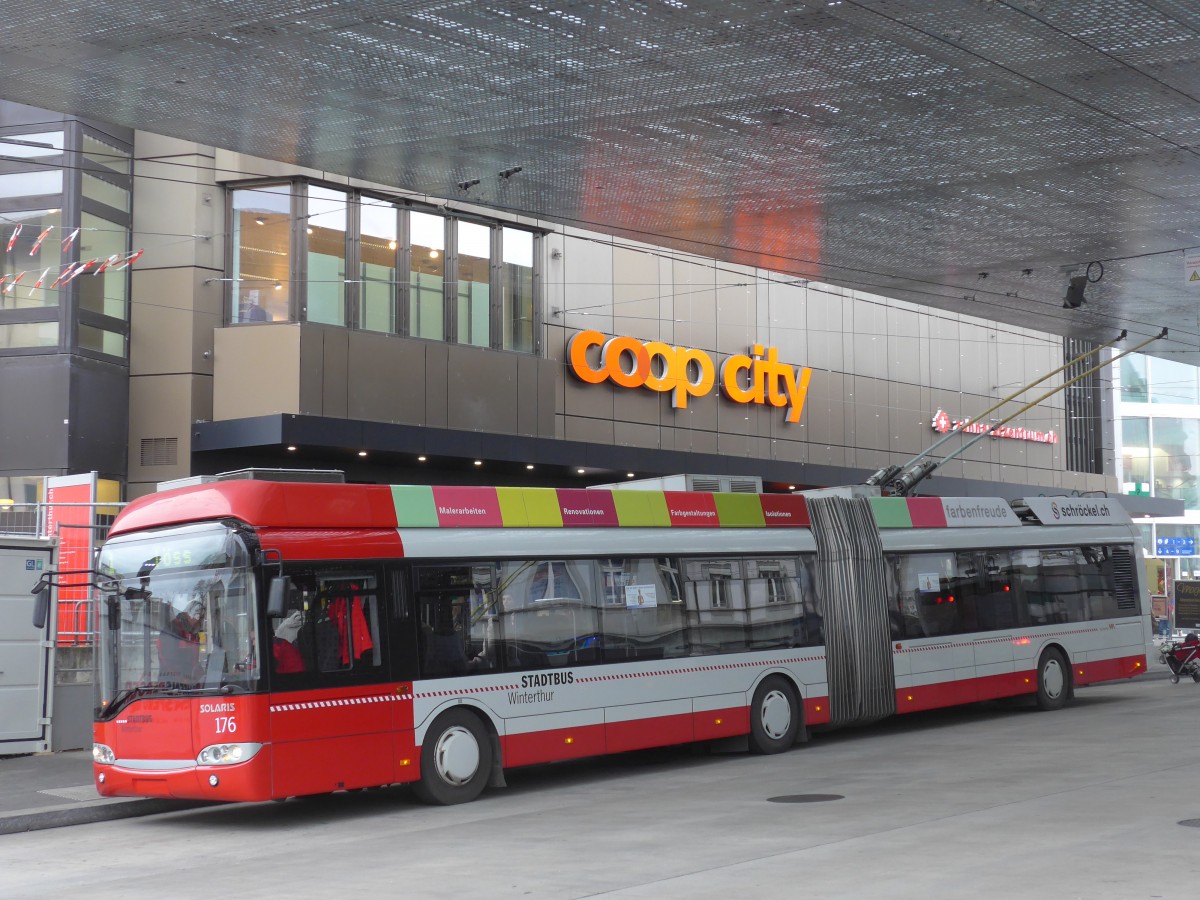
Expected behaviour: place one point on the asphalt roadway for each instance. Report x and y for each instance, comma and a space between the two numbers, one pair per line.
1100, 800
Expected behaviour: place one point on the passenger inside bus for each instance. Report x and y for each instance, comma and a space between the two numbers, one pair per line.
284, 650
179, 645
445, 643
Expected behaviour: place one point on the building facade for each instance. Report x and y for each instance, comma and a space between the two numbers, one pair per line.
282, 317
65, 200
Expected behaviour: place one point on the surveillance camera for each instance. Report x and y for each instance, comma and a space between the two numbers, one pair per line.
464, 185
510, 172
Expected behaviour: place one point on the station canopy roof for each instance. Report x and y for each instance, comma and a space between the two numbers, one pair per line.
972, 155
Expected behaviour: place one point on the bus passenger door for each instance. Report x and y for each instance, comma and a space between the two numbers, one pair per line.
331, 710
941, 659
990, 610
404, 670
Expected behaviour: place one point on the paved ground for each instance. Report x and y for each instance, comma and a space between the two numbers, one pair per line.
52, 790
986, 802
989, 802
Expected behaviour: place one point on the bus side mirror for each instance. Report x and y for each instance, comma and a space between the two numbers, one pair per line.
41, 605
277, 597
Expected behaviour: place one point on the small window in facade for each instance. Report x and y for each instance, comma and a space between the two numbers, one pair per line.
261, 254
28, 334
516, 288
39, 145
378, 243
37, 248
105, 192
325, 231
474, 284
103, 153
427, 276
105, 293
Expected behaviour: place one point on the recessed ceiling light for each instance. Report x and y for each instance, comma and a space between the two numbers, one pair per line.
479, 462
420, 459
291, 447
391, 245
434, 254
362, 452
530, 467
791, 487
259, 220
580, 471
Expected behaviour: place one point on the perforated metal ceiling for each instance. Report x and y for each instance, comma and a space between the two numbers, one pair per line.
901, 146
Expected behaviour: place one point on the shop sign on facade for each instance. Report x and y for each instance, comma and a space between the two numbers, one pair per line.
943, 423
683, 372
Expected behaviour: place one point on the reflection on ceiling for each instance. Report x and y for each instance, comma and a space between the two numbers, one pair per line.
972, 155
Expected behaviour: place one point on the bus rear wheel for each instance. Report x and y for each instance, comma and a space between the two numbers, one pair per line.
1054, 680
774, 716
456, 758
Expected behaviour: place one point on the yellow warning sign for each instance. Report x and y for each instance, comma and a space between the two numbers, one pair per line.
1191, 267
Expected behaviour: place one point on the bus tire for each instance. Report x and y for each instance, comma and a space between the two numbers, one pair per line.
456, 759
774, 716
1054, 680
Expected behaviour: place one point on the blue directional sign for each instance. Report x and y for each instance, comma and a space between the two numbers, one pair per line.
1175, 546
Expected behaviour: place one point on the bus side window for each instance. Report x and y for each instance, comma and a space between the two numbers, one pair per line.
347, 622
291, 644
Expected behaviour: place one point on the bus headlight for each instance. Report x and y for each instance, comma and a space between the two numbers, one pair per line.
227, 754
102, 753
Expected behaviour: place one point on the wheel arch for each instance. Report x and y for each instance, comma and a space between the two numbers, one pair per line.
1054, 644
490, 724
797, 689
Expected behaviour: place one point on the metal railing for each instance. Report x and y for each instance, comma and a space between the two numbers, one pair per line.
76, 541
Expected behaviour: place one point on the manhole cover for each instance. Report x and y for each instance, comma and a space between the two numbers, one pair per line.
805, 798
1190, 823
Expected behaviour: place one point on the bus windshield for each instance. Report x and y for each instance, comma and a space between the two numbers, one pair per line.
177, 614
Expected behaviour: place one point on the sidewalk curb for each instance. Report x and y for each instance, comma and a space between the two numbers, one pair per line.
87, 815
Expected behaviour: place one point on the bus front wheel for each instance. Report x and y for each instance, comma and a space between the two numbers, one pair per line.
1054, 680
456, 758
774, 716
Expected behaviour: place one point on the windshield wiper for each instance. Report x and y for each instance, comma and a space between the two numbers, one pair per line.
183, 691
121, 698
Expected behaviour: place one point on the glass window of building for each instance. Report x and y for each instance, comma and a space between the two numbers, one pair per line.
35, 260
31, 184
378, 243
426, 315
474, 284
28, 334
1172, 382
516, 290
100, 340
105, 192
103, 153
1176, 459
1135, 456
1135, 387
326, 233
39, 145
107, 292
261, 256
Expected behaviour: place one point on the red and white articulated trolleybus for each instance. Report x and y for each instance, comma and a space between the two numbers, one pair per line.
265, 639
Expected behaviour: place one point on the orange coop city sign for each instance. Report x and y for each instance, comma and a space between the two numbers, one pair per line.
685, 372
